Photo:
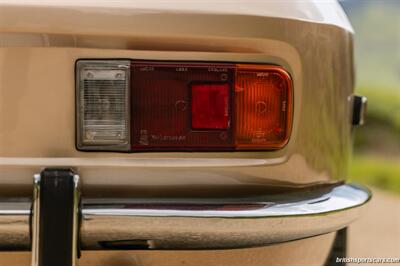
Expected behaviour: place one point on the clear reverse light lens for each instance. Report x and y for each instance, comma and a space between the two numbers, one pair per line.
103, 104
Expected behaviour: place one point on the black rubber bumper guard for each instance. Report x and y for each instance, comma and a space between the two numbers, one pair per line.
55, 218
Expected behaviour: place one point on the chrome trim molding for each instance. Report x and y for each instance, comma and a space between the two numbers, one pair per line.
14, 224
210, 223
213, 225
35, 220
75, 228
339, 198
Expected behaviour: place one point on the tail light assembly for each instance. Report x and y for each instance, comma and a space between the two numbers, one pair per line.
137, 106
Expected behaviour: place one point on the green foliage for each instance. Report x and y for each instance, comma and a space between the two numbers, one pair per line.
381, 133
375, 171
377, 159
377, 60
383, 105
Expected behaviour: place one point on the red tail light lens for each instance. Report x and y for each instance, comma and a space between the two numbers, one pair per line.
210, 106
181, 106
194, 106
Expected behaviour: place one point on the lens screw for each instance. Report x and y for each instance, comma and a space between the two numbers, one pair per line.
89, 75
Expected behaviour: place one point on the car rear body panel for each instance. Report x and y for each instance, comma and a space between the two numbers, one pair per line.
40, 78
40, 43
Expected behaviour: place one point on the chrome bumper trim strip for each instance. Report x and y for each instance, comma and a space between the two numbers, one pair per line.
213, 224
205, 225
15, 224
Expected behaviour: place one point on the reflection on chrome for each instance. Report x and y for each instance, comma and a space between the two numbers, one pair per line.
338, 198
198, 223
219, 223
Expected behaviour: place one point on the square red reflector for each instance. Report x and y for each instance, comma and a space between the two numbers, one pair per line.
210, 106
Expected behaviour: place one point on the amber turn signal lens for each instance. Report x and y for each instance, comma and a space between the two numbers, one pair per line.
263, 105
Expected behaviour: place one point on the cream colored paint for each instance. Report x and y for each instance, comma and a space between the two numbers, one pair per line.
32, 103
318, 11
42, 98
37, 94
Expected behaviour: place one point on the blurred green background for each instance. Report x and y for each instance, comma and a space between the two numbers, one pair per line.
376, 159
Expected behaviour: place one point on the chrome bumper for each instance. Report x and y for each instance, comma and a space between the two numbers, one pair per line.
195, 223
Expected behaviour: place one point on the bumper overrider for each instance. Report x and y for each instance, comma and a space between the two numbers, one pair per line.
58, 213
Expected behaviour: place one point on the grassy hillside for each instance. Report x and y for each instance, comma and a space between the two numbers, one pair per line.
381, 134
377, 144
377, 53
383, 173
